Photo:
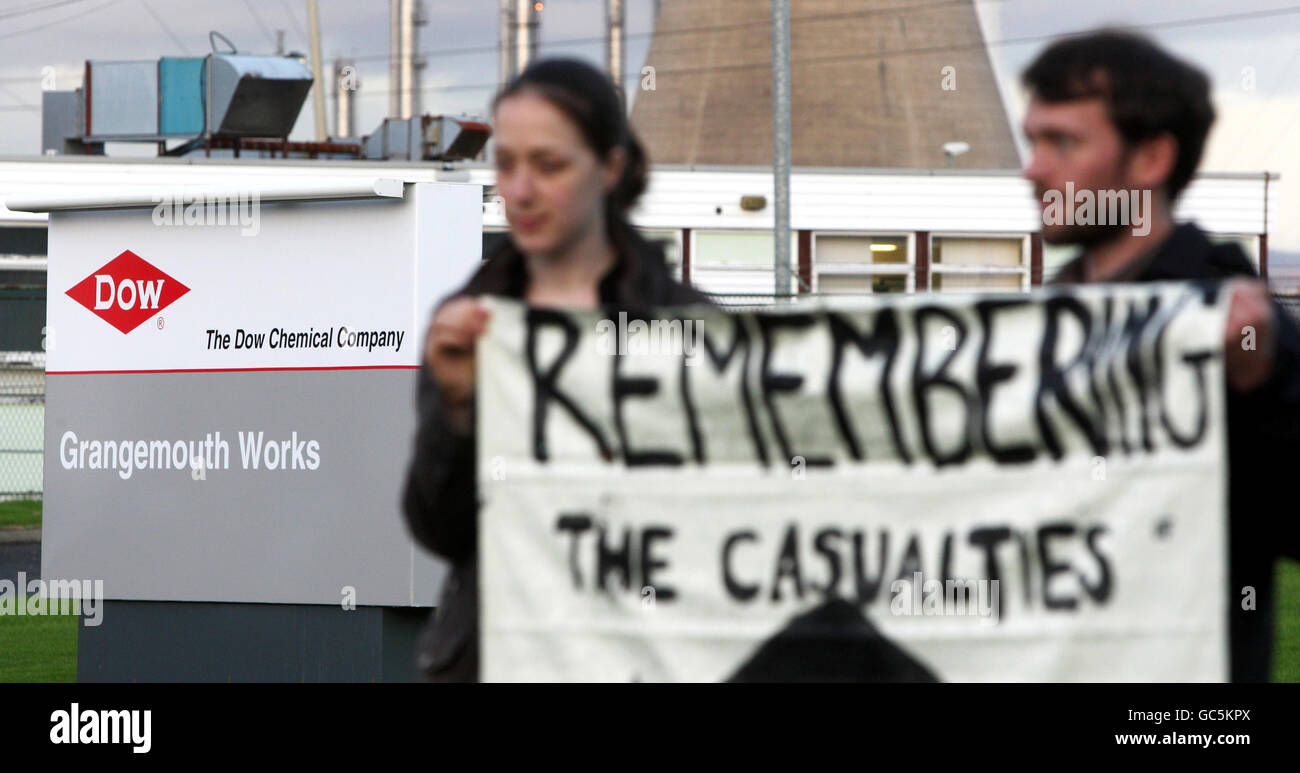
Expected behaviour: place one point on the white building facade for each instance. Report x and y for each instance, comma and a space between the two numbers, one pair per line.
853, 230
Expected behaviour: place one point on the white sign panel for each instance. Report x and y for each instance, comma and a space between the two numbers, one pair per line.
230, 404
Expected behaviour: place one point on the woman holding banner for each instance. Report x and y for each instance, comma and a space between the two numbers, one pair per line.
568, 168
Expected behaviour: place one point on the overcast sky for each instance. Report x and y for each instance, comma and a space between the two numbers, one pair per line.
1250, 48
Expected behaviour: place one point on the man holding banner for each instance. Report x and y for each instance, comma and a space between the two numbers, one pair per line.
1111, 113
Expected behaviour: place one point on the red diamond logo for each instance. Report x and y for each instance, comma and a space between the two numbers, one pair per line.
127, 291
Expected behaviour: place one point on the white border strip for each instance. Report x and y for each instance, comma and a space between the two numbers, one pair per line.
381, 187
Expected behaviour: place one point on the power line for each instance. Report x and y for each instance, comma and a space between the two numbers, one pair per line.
293, 19
22, 103
37, 8
270, 38
23, 79
561, 42
166, 29
980, 44
1192, 22
697, 30
58, 21
1195, 21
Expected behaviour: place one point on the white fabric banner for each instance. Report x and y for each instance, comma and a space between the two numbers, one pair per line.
952, 488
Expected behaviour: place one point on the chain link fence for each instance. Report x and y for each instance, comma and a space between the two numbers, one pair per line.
22, 428
22, 382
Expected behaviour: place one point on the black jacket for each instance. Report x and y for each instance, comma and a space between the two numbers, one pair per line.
1263, 444
441, 500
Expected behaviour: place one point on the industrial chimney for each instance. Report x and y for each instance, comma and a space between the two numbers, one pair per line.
520, 20
614, 45
346, 83
405, 63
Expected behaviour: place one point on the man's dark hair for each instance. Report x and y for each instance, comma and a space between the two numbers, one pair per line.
1147, 91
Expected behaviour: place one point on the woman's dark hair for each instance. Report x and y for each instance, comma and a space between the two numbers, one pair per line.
1147, 91
589, 99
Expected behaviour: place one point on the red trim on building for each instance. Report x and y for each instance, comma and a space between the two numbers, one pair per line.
1263, 238
1036, 259
922, 261
686, 256
1263, 255
805, 259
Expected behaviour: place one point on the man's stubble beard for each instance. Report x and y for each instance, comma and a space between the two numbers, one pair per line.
1086, 236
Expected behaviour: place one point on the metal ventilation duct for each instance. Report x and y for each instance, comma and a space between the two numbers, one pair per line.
255, 96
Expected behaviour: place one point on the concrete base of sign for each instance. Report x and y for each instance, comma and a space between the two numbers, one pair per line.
163, 641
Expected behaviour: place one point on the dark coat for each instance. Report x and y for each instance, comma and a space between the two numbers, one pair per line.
441, 499
1263, 444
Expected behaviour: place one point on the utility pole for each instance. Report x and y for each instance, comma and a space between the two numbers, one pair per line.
781, 141
318, 81
506, 37
614, 38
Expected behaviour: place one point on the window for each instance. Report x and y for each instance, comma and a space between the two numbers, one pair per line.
739, 263
862, 264
739, 249
22, 306
964, 264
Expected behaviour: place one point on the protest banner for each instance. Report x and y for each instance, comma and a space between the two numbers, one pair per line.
951, 488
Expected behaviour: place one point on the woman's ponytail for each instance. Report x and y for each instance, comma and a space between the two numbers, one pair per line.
632, 183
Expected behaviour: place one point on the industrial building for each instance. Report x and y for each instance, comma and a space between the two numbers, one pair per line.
856, 231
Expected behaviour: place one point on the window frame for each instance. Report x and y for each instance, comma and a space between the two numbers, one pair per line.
1023, 269
866, 270
698, 261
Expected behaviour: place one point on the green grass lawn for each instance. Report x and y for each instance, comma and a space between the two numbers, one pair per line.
20, 513
38, 649
35, 649
1286, 638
